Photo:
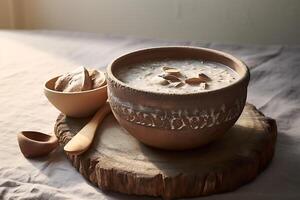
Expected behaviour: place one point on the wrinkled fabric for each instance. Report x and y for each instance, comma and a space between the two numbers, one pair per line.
29, 58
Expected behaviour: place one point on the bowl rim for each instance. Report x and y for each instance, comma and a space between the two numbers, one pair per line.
23, 134
70, 93
244, 77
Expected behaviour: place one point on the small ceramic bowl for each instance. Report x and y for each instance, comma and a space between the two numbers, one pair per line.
177, 121
33, 144
76, 104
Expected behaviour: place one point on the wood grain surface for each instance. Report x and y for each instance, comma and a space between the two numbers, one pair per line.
118, 162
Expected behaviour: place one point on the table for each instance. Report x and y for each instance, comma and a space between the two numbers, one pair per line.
29, 58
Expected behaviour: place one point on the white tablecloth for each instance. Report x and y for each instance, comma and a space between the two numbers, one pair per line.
28, 58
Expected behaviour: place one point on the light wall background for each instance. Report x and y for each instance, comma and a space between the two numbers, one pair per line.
6, 14
226, 21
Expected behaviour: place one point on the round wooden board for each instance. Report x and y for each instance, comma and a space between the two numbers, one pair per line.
118, 162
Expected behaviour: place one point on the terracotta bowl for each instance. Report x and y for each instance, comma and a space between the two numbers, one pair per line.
34, 144
76, 104
177, 121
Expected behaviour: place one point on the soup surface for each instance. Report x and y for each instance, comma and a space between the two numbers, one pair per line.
177, 76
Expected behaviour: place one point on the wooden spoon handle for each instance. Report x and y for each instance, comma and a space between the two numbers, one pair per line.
84, 138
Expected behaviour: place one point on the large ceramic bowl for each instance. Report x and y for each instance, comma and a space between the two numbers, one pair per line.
177, 121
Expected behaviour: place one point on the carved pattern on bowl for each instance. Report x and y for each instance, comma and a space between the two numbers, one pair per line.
177, 119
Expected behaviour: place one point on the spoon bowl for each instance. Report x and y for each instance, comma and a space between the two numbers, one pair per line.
34, 144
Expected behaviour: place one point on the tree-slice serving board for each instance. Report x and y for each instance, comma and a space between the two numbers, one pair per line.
118, 162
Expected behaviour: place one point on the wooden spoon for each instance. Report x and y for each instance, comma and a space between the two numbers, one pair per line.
34, 144
84, 138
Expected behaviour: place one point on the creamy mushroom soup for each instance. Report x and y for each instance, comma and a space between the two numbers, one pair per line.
177, 76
